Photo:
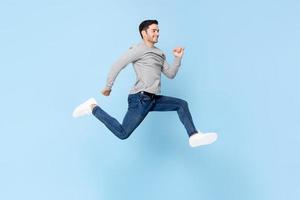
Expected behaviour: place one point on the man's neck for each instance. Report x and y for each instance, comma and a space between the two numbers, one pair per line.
149, 44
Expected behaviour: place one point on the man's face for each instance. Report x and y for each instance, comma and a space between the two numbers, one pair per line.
152, 33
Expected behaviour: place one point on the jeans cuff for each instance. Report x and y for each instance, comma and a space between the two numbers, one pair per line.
192, 133
94, 110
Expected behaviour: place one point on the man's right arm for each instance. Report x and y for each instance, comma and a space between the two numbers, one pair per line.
131, 55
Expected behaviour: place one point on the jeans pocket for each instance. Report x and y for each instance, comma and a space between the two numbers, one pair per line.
133, 102
133, 105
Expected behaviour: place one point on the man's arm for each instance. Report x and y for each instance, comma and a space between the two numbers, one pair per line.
171, 71
131, 55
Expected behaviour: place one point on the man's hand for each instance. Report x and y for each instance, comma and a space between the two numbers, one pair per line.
106, 91
178, 52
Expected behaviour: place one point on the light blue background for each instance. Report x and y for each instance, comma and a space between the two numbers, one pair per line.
240, 75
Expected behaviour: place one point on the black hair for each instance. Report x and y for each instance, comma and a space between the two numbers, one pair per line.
145, 24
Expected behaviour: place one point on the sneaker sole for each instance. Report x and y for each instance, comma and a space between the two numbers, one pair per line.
83, 109
206, 139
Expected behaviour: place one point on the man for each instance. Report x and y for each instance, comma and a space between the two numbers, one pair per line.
149, 62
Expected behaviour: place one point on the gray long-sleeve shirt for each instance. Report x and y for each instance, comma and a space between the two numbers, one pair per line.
148, 63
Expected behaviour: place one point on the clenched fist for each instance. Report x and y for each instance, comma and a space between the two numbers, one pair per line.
106, 91
178, 52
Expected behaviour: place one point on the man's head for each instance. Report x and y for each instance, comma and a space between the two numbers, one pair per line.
149, 31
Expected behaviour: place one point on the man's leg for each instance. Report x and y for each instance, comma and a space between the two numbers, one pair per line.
136, 113
165, 103
196, 138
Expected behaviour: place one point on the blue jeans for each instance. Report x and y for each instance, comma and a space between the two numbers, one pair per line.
139, 105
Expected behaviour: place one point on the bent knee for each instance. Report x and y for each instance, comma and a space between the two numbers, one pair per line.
124, 136
184, 103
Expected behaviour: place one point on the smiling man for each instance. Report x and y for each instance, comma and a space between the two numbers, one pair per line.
149, 63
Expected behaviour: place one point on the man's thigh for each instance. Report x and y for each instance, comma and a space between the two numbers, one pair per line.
136, 113
166, 103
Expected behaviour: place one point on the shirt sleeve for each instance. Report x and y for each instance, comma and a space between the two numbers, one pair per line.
171, 70
130, 56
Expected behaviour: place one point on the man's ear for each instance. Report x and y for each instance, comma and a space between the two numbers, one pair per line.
144, 33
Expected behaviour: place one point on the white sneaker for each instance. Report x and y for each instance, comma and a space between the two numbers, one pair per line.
84, 108
199, 139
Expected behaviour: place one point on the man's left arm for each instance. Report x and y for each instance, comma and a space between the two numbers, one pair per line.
171, 71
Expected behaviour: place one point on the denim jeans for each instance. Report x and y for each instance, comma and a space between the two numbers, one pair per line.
139, 105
